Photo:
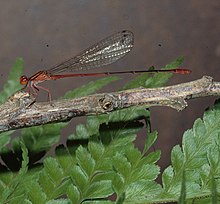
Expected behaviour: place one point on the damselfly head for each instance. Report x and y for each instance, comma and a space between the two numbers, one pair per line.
24, 80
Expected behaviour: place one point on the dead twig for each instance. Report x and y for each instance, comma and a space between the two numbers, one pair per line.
20, 111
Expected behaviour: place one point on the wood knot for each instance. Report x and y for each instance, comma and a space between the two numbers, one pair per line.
106, 103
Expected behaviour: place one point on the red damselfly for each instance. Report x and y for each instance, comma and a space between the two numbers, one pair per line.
102, 53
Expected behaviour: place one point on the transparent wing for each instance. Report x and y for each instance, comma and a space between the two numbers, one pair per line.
102, 53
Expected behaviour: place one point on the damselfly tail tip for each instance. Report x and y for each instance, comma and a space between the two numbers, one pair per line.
183, 71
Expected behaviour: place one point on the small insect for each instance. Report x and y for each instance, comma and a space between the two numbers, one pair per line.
102, 53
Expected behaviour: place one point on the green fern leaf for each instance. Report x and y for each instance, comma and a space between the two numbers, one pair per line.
59, 201
199, 157
40, 138
151, 138
85, 160
148, 80
9, 88
137, 192
12, 84
34, 192
12, 191
91, 87
4, 141
99, 189
73, 194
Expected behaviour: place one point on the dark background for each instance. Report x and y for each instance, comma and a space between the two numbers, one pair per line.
47, 32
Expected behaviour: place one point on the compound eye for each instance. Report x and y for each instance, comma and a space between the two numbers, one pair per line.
23, 80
